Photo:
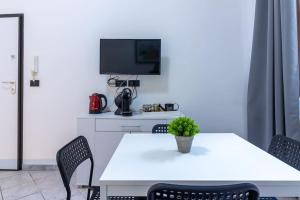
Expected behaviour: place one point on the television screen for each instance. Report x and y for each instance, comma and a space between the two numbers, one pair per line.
130, 56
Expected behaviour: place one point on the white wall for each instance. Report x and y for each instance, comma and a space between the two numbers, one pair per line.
206, 48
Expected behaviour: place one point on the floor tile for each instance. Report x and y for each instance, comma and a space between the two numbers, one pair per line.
36, 175
36, 196
16, 180
83, 191
6, 174
78, 197
58, 193
19, 191
49, 182
36, 185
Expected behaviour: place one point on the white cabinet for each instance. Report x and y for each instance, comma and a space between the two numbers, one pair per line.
126, 125
104, 133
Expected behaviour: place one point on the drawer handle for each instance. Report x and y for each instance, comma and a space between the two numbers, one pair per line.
130, 126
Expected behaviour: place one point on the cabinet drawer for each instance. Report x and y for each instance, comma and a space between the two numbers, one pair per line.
126, 125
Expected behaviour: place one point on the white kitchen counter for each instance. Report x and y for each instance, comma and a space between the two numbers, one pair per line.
136, 115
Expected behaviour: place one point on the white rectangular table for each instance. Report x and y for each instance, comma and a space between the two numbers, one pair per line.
142, 160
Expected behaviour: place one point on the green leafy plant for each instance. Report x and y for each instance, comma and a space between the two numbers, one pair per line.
183, 126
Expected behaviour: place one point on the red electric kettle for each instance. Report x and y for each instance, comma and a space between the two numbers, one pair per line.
96, 104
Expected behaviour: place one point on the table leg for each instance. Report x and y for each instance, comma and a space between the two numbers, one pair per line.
103, 192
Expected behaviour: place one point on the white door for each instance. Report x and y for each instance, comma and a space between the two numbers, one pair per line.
8, 93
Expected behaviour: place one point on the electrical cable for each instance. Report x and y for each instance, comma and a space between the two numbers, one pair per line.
112, 80
125, 80
135, 89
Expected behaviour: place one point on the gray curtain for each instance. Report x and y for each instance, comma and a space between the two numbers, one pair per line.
273, 89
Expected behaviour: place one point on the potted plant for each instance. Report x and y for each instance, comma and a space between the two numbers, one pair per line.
184, 129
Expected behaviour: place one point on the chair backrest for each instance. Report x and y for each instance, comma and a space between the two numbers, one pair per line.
244, 191
70, 156
286, 150
160, 128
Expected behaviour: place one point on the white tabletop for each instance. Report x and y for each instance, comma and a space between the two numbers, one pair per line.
214, 157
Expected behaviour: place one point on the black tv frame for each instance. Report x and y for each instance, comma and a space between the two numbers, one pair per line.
108, 73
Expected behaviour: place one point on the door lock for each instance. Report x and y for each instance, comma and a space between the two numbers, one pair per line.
12, 86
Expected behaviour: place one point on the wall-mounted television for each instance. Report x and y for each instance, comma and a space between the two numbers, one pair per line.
130, 56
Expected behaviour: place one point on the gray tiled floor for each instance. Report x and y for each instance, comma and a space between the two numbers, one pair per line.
35, 185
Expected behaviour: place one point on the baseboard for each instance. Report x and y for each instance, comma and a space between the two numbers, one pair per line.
39, 162
39, 165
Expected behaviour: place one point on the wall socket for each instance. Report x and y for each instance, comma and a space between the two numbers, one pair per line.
121, 83
134, 83
34, 83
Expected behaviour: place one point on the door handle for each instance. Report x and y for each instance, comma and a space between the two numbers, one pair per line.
12, 87
130, 127
8, 82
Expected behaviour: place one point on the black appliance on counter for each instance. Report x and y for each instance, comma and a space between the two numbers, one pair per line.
123, 101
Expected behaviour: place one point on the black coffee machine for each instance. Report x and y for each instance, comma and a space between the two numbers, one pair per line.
123, 101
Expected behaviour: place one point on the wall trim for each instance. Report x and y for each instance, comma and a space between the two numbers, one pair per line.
39, 162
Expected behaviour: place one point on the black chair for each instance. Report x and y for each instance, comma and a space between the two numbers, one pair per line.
69, 157
160, 128
286, 150
244, 191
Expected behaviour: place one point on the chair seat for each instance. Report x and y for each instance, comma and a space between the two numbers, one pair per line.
95, 193
268, 198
